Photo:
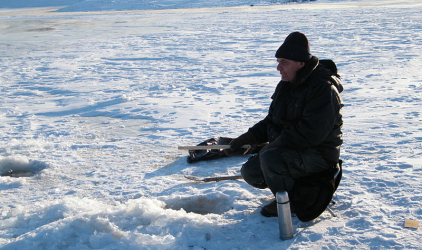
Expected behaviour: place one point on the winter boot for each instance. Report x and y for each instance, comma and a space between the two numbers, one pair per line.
270, 210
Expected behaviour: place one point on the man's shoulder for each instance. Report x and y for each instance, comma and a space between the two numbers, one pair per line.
325, 75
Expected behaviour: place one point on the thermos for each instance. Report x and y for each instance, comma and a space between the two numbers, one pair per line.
284, 215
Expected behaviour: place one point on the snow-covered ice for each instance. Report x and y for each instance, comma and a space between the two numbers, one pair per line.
94, 103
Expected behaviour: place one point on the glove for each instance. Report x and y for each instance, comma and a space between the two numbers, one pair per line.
235, 145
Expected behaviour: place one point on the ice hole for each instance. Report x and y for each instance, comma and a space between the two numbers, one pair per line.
20, 166
216, 204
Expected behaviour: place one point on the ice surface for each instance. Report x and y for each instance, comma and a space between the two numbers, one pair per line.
94, 105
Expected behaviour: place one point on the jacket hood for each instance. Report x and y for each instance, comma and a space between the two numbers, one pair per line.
326, 68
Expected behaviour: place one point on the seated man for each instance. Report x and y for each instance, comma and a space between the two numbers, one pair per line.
303, 125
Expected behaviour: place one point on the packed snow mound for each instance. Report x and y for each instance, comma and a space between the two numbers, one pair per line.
140, 222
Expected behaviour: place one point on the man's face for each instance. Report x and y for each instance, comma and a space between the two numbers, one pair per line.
288, 68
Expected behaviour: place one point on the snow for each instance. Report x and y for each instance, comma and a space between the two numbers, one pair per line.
95, 102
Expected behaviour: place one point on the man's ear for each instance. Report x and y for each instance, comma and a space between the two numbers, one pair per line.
301, 64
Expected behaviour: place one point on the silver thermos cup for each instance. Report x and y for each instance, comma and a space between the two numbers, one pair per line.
284, 215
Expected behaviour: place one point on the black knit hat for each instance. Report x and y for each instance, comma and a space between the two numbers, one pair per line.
295, 47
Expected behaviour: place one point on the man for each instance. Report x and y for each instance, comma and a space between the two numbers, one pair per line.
302, 128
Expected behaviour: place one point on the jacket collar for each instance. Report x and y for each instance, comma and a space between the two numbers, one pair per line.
306, 71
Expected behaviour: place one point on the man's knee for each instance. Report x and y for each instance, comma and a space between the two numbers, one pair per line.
272, 162
252, 173
276, 170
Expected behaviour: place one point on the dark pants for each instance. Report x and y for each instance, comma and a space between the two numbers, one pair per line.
278, 168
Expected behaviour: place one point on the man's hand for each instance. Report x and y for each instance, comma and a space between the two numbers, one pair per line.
234, 147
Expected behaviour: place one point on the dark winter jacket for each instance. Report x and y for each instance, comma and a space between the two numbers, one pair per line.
305, 113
